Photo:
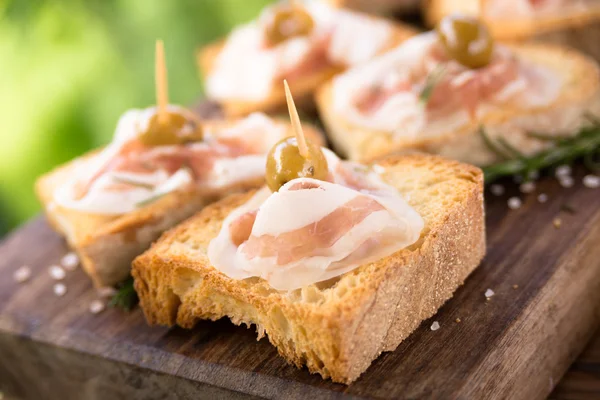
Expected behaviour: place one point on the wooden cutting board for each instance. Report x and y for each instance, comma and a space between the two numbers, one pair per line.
516, 345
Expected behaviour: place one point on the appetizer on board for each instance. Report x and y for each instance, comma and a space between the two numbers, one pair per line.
378, 6
333, 260
303, 42
162, 165
448, 91
518, 19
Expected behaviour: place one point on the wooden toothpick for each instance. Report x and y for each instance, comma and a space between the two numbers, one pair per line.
160, 78
296, 126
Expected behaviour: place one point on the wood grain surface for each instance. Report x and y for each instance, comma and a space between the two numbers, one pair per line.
516, 345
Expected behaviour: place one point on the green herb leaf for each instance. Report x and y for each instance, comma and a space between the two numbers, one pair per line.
432, 80
584, 145
132, 182
126, 297
150, 200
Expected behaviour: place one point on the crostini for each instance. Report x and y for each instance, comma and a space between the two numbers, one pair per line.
448, 91
303, 42
162, 165
518, 19
334, 261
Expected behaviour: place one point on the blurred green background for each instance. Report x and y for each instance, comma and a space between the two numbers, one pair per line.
69, 68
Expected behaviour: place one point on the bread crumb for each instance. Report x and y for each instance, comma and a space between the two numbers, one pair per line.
56, 272
70, 261
515, 286
496, 189
562, 171
59, 289
527, 187
514, 203
106, 292
542, 197
566, 181
489, 293
591, 181
457, 320
97, 306
22, 274
557, 222
435, 326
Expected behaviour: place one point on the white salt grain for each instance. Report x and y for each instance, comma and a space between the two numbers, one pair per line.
57, 273
489, 293
527, 187
70, 261
435, 326
591, 181
562, 171
106, 292
60, 289
542, 197
97, 306
566, 181
22, 274
514, 203
497, 190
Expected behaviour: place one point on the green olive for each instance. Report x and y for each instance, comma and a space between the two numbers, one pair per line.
177, 128
284, 163
466, 40
286, 22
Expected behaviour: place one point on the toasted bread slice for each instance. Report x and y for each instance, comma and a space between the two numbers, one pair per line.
513, 27
579, 97
338, 327
378, 6
107, 244
302, 87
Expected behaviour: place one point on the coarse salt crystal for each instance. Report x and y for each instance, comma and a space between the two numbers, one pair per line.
60, 289
22, 274
591, 181
106, 292
562, 171
542, 197
435, 326
527, 187
497, 190
70, 261
514, 203
489, 293
56, 272
566, 181
97, 306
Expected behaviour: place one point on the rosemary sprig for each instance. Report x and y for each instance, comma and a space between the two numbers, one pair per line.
586, 144
126, 297
433, 78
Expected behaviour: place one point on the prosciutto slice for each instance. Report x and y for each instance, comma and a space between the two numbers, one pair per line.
337, 40
311, 230
127, 174
416, 89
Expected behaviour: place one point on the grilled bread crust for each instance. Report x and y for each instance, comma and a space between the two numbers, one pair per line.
579, 98
338, 327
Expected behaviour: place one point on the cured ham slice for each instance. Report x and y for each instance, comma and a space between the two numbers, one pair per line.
312, 230
417, 90
127, 174
337, 40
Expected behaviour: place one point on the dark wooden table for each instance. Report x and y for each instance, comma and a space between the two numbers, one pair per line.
582, 380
